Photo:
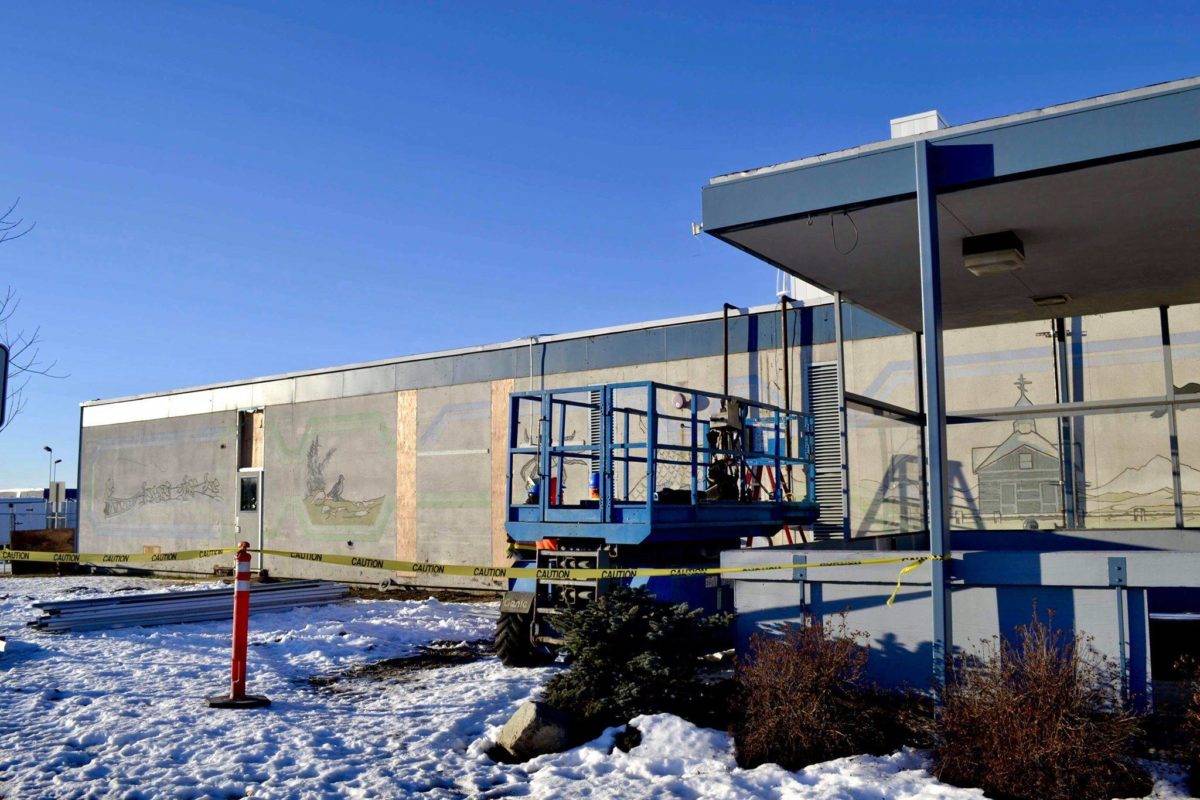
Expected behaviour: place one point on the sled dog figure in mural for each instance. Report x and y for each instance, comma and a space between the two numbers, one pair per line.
330, 506
185, 489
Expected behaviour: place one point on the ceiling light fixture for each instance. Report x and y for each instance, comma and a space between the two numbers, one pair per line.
993, 253
1051, 300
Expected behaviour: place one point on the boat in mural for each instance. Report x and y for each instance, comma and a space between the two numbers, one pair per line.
329, 505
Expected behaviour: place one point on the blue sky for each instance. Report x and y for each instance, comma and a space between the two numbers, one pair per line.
230, 190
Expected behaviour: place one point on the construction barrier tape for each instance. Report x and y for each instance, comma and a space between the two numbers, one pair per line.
111, 558
465, 570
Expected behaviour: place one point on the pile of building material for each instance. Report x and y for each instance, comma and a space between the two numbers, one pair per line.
165, 608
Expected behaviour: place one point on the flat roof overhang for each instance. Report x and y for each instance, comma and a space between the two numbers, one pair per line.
1104, 193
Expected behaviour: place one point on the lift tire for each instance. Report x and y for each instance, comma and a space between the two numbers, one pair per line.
513, 643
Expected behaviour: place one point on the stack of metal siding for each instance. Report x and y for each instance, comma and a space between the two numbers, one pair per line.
165, 608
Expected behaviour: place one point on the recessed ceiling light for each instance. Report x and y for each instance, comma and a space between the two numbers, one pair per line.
993, 253
1051, 300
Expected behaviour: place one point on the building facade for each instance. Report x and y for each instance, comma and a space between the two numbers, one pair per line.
403, 459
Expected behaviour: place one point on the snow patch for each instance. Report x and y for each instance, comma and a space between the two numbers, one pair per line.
121, 714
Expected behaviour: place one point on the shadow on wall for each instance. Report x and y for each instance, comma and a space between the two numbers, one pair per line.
901, 650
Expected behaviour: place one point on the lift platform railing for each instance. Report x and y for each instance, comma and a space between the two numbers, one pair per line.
624, 448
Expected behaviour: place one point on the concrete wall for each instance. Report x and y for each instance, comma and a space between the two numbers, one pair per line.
330, 477
159, 485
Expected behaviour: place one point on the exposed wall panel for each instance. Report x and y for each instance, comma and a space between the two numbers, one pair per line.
330, 477
499, 470
454, 518
406, 475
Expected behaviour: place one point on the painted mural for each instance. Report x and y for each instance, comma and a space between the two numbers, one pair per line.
330, 473
1009, 475
1020, 476
330, 505
184, 490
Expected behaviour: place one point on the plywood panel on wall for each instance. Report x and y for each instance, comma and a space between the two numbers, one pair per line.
406, 475
499, 470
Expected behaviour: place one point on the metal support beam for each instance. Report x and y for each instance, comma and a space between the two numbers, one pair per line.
1066, 447
919, 401
933, 377
1172, 420
880, 408
1118, 578
1082, 408
843, 427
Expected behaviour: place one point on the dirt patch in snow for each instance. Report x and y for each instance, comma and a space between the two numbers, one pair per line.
399, 592
435, 655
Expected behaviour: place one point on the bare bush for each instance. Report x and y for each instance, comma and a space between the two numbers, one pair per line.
1190, 727
801, 698
1039, 718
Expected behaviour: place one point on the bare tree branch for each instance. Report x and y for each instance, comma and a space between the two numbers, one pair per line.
13, 229
24, 348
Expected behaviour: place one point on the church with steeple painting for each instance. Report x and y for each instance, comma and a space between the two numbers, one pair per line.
1022, 476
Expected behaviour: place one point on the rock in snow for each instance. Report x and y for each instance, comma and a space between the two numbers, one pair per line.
535, 729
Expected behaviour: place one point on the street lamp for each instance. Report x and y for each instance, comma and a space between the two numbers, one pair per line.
49, 485
58, 510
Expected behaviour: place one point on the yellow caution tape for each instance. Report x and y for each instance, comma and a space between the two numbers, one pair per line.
904, 571
592, 574
7, 554
466, 570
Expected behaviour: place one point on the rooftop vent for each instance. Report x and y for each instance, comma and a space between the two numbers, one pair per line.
913, 124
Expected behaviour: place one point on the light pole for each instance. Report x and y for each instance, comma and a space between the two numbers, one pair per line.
58, 511
49, 484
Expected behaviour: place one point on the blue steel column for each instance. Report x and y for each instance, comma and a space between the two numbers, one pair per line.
1066, 449
843, 420
919, 400
1172, 418
933, 369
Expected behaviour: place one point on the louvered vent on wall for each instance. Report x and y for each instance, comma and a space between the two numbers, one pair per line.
594, 426
827, 449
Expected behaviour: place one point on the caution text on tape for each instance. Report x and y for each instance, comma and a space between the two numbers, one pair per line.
911, 563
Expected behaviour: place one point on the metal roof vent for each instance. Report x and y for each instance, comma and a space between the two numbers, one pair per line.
914, 124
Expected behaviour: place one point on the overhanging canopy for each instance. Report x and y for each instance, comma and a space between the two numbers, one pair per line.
1104, 193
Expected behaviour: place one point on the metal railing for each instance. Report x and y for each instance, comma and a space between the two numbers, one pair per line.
631, 450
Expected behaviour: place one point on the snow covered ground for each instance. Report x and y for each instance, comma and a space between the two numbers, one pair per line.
121, 714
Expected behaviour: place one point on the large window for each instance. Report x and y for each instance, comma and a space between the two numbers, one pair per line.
886, 489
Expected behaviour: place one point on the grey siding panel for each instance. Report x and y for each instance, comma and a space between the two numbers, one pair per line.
697, 340
420, 374
494, 365
372, 380
319, 387
632, 347
558, 357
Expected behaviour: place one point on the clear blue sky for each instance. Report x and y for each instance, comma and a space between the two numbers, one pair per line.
223, 191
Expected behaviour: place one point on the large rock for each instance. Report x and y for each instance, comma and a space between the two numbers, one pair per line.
535, 729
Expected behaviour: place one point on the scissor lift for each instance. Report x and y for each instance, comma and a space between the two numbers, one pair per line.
641, 474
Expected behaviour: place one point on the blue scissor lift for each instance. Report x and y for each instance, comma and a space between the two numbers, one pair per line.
641, 474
